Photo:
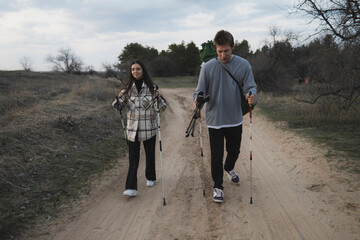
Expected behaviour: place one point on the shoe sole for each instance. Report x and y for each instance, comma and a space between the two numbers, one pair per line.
218, 201
129, 195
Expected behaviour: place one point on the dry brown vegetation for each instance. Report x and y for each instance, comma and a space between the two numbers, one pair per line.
321, 123
56, 131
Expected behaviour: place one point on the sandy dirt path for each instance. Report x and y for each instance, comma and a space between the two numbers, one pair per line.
295, 194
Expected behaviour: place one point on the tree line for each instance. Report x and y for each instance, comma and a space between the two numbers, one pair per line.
178, 60
329, 62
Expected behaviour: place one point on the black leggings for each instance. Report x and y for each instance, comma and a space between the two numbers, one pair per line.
134, 156
233, 141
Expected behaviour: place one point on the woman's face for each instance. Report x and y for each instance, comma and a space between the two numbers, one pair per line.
136, 71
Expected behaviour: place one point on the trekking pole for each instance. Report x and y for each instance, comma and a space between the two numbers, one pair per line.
251, 201
202, 155
161, 160
190, 129
122, 121
200, 101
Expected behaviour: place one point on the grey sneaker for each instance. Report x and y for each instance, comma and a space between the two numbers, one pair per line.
233, 176
218, 195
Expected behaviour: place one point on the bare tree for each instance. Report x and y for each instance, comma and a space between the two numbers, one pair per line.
65, 61
90, 69
117, 71
272, 65
26, 63
341, 17
335, 73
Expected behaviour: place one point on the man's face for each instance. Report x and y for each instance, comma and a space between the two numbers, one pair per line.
224, 52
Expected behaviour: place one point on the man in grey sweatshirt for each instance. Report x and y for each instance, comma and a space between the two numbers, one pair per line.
224, 116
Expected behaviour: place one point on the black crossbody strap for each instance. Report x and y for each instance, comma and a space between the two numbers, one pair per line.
232, 76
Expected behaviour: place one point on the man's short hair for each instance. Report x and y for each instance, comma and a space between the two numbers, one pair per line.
223, 37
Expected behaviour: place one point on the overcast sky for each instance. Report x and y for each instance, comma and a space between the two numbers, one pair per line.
97, 31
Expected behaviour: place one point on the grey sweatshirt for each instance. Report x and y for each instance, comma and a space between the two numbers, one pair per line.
224, 106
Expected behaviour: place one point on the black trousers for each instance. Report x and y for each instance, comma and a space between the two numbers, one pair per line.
134, 156
232, 135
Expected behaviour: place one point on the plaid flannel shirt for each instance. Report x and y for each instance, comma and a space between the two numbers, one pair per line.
141, 113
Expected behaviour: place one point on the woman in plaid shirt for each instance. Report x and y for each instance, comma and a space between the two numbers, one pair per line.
139, 95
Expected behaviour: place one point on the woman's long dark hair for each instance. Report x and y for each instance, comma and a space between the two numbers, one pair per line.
146, 78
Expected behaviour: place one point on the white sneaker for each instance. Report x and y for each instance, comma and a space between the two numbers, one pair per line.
150, 183
130, 193
218, 195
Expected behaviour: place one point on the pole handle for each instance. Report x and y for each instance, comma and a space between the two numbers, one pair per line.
250, 93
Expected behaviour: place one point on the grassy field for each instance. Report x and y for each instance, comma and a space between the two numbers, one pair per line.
340, 135
59, 131
56, 131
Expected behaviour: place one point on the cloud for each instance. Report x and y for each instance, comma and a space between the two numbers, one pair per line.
97, 30
195, 20
38, 26
244, 9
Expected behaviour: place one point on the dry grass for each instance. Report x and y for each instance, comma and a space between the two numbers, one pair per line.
341, 134
56, 131
59, 130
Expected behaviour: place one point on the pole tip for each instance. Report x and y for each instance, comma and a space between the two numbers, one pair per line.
164, 203
204, 192
251, 201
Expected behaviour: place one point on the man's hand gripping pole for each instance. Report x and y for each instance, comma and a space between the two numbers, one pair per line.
200, 101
